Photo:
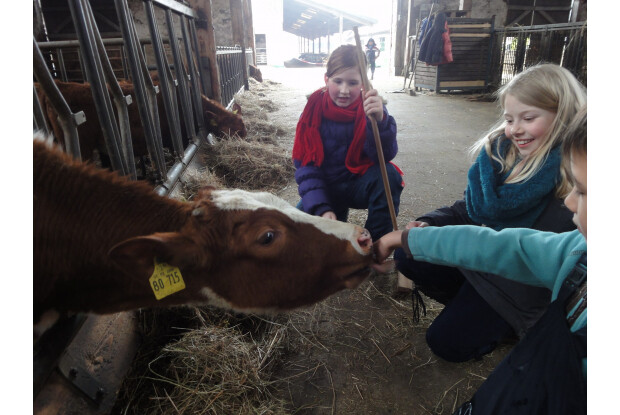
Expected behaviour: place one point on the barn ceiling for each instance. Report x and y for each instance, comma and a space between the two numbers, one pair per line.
311, 20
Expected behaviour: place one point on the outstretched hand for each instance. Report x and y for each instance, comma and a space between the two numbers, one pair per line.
373, 105
384, 247
416, 224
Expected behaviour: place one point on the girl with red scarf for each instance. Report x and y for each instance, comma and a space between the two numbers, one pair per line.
335, 153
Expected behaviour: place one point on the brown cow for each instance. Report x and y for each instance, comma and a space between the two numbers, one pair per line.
256, 73
97, 237
218, 120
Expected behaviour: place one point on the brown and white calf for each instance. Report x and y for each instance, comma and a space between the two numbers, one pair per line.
97, 237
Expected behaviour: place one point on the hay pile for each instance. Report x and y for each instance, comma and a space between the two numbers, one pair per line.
257, 161
250, 165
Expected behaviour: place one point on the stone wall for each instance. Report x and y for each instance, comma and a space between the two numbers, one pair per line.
222, 22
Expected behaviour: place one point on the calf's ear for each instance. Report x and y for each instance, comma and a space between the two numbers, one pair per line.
136, 256
236, 108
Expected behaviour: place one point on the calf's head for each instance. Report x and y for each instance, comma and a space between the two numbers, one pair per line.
220, 121
253, 252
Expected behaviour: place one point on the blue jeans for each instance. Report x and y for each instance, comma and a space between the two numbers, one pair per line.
367, 192
468, 327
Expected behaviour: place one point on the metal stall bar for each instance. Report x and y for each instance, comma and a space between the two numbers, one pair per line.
120, 100
194, 39
182, 75
61, 64
39, 122
168, 93
94, 76
145, 102
152, 91
194, 78
67, 119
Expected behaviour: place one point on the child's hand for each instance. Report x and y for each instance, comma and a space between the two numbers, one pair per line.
416, 224
385, 245
373, 105
329, 215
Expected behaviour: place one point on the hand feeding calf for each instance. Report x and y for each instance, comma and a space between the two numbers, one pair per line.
105, 244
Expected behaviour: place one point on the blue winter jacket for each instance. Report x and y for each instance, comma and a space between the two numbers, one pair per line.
542, 259
313, 182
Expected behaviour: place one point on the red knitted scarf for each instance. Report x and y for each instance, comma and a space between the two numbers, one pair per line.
308, 147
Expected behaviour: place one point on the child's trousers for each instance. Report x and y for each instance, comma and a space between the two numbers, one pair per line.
368, 192
468, 327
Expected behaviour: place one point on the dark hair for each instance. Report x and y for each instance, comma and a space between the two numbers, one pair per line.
576, 138
342, 57
373, 41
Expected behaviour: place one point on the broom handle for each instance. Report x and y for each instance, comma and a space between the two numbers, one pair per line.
375, 129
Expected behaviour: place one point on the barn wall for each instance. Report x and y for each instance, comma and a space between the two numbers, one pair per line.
136, 8
481, 9
222, 22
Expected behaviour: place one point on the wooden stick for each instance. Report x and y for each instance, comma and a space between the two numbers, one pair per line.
375, 130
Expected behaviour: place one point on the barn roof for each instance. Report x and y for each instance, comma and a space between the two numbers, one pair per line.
311, 20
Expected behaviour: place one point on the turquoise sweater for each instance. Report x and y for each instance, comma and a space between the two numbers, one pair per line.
524, 255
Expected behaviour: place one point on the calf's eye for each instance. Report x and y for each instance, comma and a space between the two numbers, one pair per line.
266, 238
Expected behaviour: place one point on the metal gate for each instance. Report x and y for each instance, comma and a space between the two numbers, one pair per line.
516, 48
230, 65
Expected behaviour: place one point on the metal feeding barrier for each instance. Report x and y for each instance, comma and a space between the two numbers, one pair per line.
178, 74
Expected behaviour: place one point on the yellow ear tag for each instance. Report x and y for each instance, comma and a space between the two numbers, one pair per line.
166, 280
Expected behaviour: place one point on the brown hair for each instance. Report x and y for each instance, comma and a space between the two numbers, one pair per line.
576, 138
343, 57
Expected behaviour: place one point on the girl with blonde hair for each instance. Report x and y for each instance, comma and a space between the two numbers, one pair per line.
516, 181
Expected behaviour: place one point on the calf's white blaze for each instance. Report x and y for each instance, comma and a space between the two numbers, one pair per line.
241, 199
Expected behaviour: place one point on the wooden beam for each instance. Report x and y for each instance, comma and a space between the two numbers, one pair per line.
470, 35
206, 45
249, 24
469, 26
461, 83
238, 29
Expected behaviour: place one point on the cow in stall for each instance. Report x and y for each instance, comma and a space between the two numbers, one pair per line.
104, 244
218, 120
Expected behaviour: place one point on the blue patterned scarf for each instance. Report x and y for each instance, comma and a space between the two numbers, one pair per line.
516, 205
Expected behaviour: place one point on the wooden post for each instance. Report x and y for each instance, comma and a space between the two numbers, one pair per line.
403, 283
238, 28
249, 24
375, 130
206, 44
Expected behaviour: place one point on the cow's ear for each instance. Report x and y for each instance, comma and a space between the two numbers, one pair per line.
236, 108
136, 256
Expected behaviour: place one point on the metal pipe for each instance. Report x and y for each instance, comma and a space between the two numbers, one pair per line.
94, 76
37, 113
165, 82
120, 100
194, 80
194, 39
67, 119
176, 171
133, 55
61, 65
182, 76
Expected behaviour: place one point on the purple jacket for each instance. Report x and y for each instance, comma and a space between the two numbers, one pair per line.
313, 181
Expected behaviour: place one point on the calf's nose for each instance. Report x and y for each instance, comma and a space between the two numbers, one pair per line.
364, 240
